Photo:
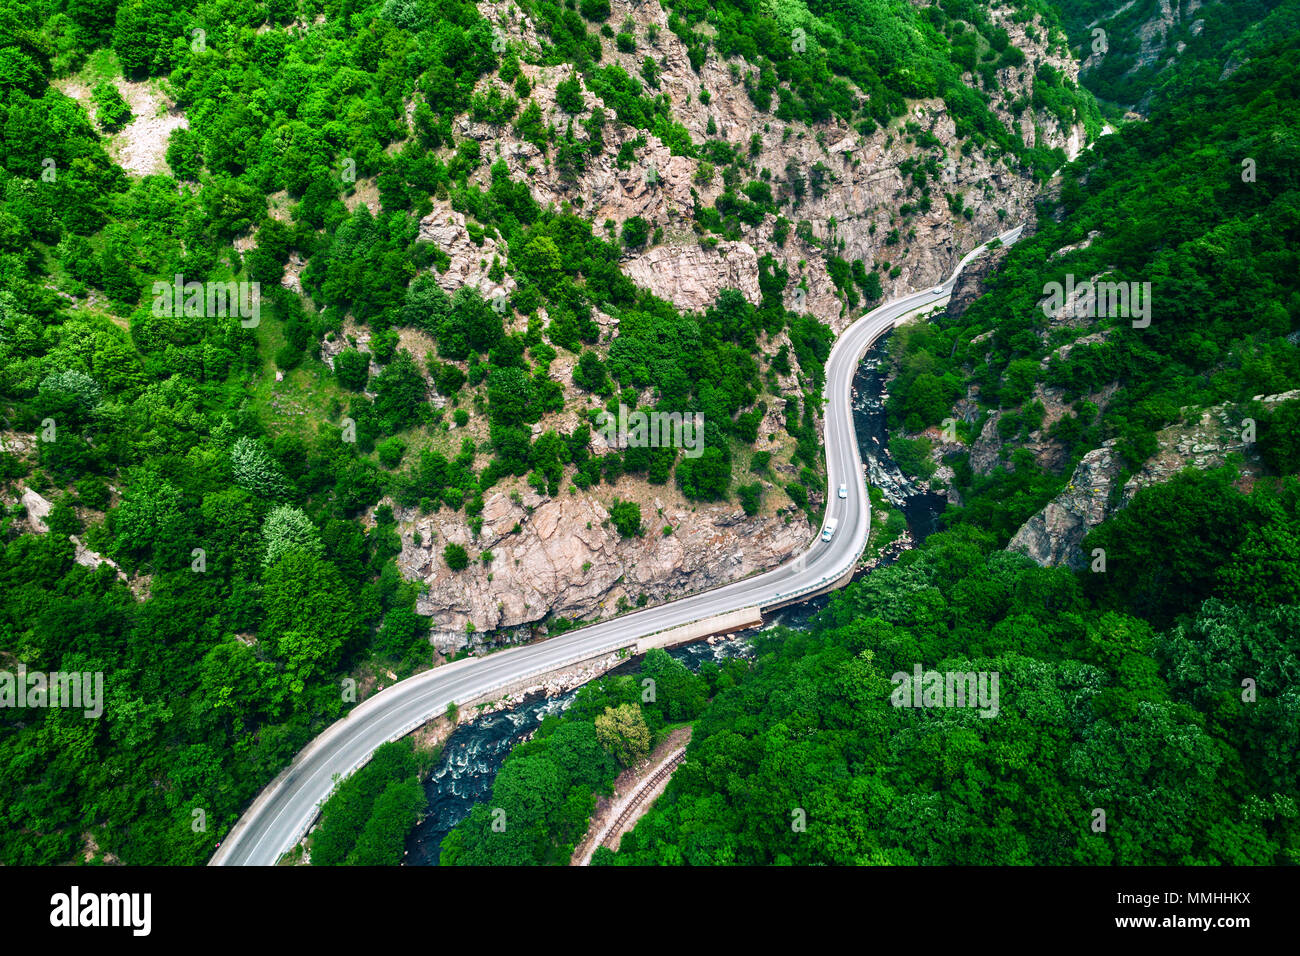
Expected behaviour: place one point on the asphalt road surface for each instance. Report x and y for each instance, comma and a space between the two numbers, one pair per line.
285, 810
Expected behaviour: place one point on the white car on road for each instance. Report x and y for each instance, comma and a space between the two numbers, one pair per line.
937, 290
285, 810
844, 490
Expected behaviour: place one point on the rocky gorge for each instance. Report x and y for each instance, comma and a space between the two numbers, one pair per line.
540, 558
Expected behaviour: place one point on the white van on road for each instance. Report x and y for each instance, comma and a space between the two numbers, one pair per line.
844, 490
829, 531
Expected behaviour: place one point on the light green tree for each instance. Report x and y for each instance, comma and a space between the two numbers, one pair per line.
622, 731
256, 471
288, 529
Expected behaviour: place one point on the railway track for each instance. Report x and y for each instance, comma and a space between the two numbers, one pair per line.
283, 812
665, 771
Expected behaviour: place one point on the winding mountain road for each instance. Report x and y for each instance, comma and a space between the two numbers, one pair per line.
286, 808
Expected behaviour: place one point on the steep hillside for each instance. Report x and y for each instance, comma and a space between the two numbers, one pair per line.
310, 308
1131, 703
400, 169
1008, 396
821, 220
1136, 53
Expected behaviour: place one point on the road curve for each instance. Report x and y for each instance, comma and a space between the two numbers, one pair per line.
285, 809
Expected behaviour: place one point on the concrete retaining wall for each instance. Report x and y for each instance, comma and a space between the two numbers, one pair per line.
718, 624
557, 680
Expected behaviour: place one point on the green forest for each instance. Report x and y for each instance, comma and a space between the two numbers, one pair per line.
366, 820
271, 589
1148, 714
216, 545
1121, 692
1203, 202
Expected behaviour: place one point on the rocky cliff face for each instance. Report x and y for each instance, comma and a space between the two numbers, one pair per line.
1055, 534
562, 556
559, 556
856, 212
1150, 25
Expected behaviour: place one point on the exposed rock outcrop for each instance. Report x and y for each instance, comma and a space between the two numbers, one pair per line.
561, 556
1055, 534
38, 510
691, 276
445, 228
564, 561
852, 213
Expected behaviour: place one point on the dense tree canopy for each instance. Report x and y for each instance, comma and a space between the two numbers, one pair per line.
807, 760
